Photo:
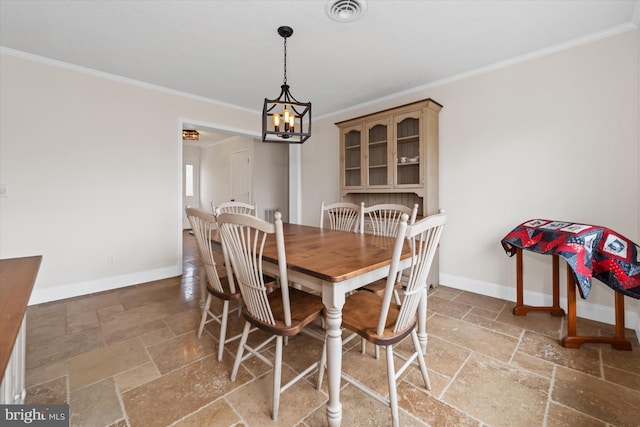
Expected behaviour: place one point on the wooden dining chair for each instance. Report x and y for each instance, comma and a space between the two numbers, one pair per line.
341, 216
236, 207
203, 226
284, 312
385, 323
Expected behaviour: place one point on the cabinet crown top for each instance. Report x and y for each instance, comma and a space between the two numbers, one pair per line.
429, 103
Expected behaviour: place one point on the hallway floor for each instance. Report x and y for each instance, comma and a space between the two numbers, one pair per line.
130, 357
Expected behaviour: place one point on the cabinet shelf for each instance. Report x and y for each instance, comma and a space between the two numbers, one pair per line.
405, 139
377, 144
352, 147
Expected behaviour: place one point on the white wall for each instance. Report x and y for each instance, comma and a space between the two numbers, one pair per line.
269, 173
215, 169
270, 181
92, 166
551, 137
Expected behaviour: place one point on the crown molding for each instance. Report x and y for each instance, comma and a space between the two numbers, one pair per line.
495, 66
116, 78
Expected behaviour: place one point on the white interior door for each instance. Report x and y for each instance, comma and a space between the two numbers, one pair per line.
191, 186
241, 176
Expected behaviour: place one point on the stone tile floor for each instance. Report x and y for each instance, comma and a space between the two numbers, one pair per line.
130, 357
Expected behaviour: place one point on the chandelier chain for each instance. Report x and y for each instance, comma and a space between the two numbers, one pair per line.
285, 60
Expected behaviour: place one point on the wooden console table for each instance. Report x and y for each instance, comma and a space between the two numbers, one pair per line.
17, 277
590, 251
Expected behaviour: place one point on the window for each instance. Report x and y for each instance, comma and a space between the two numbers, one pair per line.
188, 180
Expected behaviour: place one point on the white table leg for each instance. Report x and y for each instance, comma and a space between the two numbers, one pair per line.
422, 322
333, 301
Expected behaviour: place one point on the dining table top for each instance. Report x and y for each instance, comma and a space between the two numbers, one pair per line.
330, 255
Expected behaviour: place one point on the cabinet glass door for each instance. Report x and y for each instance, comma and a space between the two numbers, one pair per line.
352, 158
378, 144
408, 155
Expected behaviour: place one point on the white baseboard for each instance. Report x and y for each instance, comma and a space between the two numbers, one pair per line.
39, 296
597, 312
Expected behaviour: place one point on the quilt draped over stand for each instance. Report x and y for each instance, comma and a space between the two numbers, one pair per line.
590, 250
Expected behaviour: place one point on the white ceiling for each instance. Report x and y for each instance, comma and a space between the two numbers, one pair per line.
230, 51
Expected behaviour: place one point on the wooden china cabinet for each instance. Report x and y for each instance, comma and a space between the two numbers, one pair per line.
391, 156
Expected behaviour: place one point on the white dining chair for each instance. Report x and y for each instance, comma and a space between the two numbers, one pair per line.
385, 323
341, 216
284, 312
203, 226
236, 207
383, 220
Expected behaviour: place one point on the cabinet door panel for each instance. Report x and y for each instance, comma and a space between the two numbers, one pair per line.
351, 158
378, 154
409, 150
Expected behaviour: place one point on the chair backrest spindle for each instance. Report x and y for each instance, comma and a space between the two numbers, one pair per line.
342, 216
235, 207
385, 218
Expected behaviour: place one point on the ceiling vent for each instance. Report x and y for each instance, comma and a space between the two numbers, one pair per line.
346, 10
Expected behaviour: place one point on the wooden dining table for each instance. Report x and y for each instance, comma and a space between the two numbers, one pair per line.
336, 263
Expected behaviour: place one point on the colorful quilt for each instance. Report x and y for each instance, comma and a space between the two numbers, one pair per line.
590, 251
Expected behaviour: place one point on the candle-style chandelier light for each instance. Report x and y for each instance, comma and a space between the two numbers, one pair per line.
285, 119
190, 135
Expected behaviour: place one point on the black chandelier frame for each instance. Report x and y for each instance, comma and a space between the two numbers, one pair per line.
302, 110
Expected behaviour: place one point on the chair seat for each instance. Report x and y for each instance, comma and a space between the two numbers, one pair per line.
305, 308
361, 312
226, 294
379, 286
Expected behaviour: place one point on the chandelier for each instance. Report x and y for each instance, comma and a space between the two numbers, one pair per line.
285, 119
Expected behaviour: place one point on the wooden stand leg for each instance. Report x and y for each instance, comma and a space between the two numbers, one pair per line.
521, 309
620, 318
555, 309
572, 328
572, 340
519, 284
